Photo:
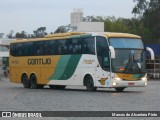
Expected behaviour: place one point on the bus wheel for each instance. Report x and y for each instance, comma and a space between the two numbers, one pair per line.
25, 81
120, 89
89, 83
57, 86
34, 84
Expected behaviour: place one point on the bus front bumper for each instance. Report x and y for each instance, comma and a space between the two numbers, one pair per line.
123, 83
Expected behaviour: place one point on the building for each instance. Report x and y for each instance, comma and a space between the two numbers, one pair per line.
79, 25
76, 17
4, 54
90, 27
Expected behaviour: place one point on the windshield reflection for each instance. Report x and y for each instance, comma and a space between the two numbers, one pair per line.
129, 61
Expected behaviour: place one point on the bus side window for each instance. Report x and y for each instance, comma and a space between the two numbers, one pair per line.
19, 49
74, 44
12, 49
47, 49
39, 48
61, 47
79, 49
30, 49
52, 47
88, 45
70, 47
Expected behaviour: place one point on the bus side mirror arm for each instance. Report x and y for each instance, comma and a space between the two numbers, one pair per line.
112, 52
151, 52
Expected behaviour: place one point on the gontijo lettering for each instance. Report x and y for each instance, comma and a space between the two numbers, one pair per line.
39, 61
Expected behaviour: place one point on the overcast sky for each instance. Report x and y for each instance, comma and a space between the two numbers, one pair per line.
28, 15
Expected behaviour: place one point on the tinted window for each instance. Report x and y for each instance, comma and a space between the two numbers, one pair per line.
54, 47
75, 46
12, 49
27, 48
103, 52
88, 45
126, 43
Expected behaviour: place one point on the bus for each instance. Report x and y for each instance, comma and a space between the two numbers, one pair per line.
93, 60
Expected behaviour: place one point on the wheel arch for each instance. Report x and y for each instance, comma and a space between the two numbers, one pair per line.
32, 73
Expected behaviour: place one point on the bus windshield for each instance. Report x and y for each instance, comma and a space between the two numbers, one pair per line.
130, 55
126, 43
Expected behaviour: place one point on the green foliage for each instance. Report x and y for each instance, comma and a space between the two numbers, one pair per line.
1, 35
10, 34
116, 25
112, 24
23, 34
40, 32
149, 15
63, 29
139, 26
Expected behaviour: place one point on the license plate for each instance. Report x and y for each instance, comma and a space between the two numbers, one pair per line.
131, 84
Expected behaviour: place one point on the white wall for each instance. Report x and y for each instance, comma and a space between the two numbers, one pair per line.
5, 41
91, 27
4, 54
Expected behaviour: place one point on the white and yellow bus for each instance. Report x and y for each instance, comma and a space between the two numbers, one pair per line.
112, 60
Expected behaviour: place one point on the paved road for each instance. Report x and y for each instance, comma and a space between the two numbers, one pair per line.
15, 97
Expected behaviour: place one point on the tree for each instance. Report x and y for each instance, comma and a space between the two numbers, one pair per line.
40, 32
63, 29
1, 35
140, 7
23, 34
149, 14
93, 19
10, 34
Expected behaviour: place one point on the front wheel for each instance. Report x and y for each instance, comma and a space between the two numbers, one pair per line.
89, 83
120, 89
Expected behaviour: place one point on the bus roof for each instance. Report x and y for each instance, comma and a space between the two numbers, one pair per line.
76, 34
108, 34
125, 35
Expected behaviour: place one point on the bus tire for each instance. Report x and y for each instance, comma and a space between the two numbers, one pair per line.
89, 83
34, 84
26, 82
120, 89
57, 87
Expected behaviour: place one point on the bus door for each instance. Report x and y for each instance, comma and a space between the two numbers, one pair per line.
103, 67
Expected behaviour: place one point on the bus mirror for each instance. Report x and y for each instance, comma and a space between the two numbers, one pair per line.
112, 52
151, 52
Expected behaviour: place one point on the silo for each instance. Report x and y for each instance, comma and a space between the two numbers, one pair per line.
76, 17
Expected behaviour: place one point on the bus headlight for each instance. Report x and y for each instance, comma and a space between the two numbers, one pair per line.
144, 79
114, 84
117, 78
